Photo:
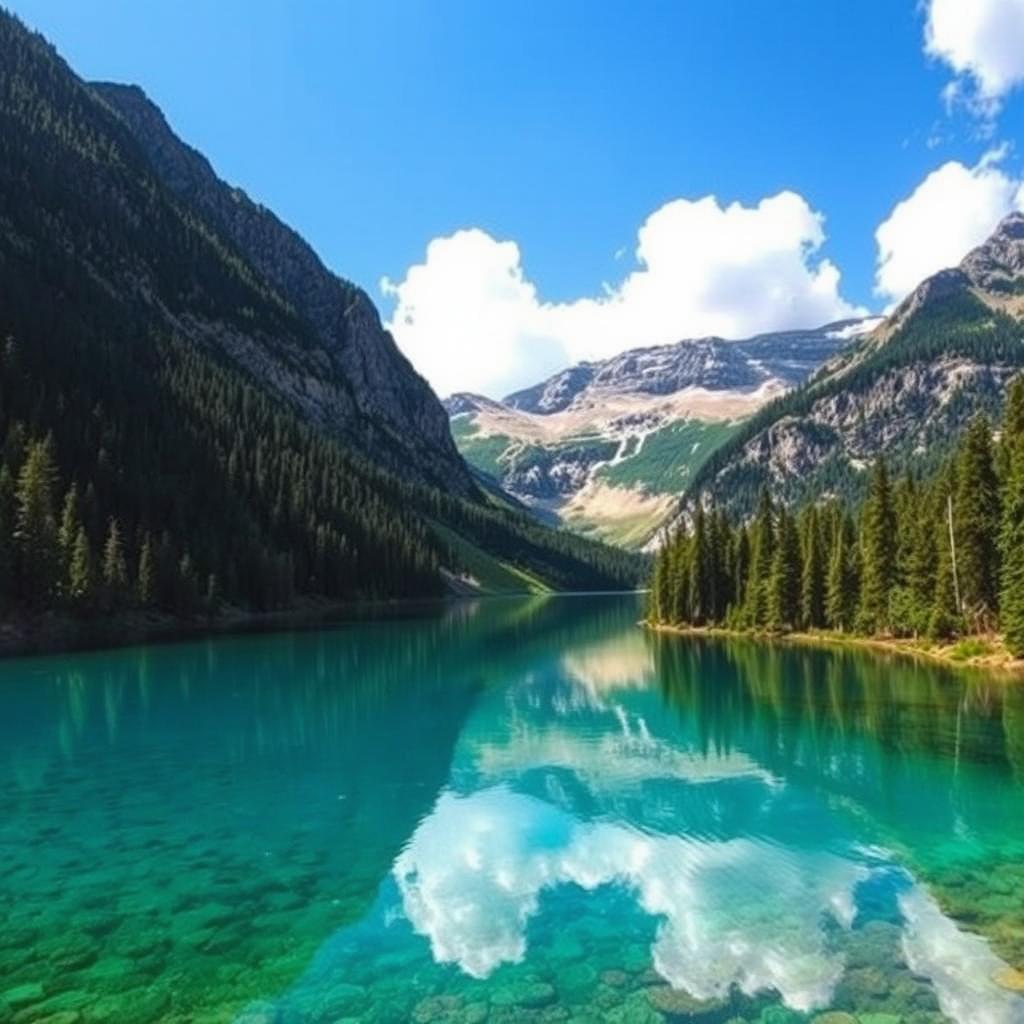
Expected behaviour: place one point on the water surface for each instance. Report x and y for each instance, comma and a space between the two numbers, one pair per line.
515, 810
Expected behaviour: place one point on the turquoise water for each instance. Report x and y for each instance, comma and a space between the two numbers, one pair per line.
514, 810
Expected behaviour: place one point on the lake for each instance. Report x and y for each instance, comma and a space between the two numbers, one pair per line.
508, 810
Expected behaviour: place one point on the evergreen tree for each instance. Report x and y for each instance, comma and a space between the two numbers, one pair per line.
81, 578
878, 552
1013, 419
976, 523
762, 557
147, 582
67, 535
699, 571
211, 598
1012, 540
812, 583
36, 529
115, 568
741, 566
840, 585
8, 521
784, 589
921, 566
945, 620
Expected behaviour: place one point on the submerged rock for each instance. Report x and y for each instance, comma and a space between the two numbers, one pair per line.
678, 1004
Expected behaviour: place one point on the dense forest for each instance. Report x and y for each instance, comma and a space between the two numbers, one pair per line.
939, 557
147, 458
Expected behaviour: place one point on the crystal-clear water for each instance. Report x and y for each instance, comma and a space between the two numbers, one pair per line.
516, 810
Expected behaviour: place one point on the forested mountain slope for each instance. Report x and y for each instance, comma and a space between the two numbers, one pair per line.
179, 417
358, 381
906, 390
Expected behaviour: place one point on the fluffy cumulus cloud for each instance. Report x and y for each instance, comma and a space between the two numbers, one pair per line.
469, 318
983, 42
954, 209
731, 912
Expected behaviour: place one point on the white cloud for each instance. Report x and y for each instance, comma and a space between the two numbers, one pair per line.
983, 42
954, 209
470, 319
732, 912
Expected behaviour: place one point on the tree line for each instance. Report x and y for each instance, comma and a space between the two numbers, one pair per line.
940, 557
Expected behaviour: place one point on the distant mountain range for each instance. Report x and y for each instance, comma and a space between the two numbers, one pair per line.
607, 447
904, 390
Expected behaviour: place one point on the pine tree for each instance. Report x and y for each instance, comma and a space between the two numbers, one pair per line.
188, 586
699, 574
1012, 542
36, 528
878, 552
67, 535
147, 584
944, 621
1013, 419
812, 583
976, 523
740, 566
81, 578
784, 588
115, 568
8, 521
920, 567
762, 557
840, 585
211, 598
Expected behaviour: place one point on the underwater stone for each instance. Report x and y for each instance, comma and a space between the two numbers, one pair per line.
674, 1002
576, 979
780, 1015
529, 994
435, 1008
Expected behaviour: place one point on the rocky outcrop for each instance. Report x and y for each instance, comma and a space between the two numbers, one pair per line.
906, 390
781, 359
352, 378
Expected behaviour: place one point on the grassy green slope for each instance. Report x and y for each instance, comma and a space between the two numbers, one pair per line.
669, 457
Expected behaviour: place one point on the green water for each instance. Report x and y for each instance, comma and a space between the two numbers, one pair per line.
515, 810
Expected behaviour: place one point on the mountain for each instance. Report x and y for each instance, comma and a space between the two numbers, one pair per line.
191, 404
608, 446
906, 390
356, 381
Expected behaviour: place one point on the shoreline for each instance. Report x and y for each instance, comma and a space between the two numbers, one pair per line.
60, 633
995, 659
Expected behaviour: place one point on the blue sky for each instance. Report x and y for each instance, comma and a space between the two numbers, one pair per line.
561, 128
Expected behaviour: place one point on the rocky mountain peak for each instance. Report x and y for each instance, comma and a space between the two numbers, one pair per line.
997, 265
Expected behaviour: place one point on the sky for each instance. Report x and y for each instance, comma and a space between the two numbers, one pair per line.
523, 186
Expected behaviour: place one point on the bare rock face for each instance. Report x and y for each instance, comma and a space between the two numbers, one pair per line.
782, 359
997, 266
352, 378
